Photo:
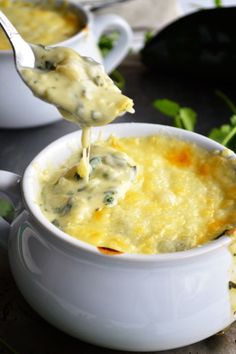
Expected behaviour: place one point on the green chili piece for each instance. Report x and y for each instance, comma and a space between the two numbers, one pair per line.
109, 198
49, 65
95, 161
65, 209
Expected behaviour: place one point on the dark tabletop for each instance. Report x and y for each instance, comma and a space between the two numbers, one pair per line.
23, 331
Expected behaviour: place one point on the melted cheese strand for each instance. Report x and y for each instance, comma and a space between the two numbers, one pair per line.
83, 168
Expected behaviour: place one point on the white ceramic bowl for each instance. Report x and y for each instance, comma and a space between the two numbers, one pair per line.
29, 111
126, 302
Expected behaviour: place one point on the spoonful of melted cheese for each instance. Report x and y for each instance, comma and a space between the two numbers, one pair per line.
81, 90
78, 86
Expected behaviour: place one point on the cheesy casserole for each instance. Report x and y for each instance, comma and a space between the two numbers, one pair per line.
40, 23
180, 197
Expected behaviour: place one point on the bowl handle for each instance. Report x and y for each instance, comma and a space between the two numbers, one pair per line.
102, 23
9, 193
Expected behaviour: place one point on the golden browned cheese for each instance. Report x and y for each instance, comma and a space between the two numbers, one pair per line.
181, 197
41, 23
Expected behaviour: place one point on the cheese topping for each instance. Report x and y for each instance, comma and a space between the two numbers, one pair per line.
181, 198
111, 174
43, 23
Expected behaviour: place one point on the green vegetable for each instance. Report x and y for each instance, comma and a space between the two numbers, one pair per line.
65, 209
148, 36
218, 3
109, 198
226, 133
6, 209
118, 79
183, 117
49, 65
95, 161
107, 42
56, 223
167, 107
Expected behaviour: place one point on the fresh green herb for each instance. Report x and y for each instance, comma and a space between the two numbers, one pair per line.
107, 42
167, 107
98, 80
65, 209
183, 117
218, 3
226, 133
56, 223
49, 65
187, 118
6, 209
95, 161
109, 198
148, 36
118, 79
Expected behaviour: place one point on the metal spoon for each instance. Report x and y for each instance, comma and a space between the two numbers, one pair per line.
23, 52
92, 5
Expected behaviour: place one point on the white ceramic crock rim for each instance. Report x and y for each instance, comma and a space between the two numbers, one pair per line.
211, 246
67, 42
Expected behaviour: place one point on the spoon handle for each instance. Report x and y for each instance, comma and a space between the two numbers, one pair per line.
98, 5
23, 53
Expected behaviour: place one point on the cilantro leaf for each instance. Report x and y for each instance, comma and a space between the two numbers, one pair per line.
218, 3
118, 79
168, 107
184, 117
225, 134
233, 120
177, 122
188, 118
6, 209
107, 42
219, 134
148, 36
